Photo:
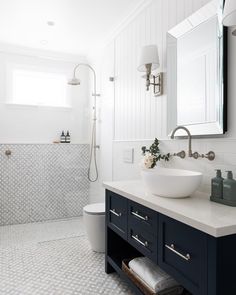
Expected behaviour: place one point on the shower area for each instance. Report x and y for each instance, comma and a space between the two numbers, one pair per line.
45, 183
42, 179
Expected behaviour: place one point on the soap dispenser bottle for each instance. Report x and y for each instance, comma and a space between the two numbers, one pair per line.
229, 187
68, 137
63, 137
217, 185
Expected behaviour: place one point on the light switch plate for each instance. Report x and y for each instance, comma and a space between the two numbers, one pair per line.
128, 155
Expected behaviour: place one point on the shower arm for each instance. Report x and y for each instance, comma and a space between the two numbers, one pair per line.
94, 86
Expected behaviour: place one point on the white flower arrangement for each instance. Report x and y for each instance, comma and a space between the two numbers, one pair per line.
152, 155
147, 161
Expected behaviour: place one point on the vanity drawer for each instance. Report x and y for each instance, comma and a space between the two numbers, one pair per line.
144, 242
183, 254
142, 217
116, 213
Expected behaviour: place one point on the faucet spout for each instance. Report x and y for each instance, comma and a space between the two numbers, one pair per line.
190, 154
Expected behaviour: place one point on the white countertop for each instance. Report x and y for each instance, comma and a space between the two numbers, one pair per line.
197, 211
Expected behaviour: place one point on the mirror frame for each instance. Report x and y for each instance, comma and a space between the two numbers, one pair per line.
197, 130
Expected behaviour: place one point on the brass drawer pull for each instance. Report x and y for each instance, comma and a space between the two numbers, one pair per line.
136, 238
139, 216
186, 257
113, 211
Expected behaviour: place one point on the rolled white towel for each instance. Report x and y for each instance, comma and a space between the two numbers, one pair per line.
152, 274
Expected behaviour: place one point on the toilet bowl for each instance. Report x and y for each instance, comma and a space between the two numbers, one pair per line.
94, 221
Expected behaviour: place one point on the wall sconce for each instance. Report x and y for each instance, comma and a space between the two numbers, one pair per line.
229, 15
149, 61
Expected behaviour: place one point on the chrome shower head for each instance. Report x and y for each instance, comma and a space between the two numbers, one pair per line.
74, 81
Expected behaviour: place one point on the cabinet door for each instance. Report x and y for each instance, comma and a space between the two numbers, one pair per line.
116, 213
183, 254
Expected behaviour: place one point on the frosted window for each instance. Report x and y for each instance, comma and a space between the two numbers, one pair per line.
39, 88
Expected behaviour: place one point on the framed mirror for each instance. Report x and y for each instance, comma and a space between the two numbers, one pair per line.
197, 72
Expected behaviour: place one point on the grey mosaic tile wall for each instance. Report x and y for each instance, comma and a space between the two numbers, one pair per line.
42, 182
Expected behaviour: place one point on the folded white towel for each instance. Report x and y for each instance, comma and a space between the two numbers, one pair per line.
152, 274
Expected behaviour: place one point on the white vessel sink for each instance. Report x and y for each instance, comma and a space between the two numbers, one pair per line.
171, 183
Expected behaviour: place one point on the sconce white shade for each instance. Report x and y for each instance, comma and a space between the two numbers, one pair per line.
149, 55
229, 15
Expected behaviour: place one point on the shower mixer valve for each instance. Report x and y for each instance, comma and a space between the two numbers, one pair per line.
8, 153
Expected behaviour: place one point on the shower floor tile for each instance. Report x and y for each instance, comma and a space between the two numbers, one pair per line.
53, 258
31, 233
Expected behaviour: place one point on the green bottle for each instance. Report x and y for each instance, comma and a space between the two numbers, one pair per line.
217, 185
229, 187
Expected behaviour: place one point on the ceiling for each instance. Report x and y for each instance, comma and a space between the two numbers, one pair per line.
79, 25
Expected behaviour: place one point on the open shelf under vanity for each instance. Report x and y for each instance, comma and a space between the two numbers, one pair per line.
118, 250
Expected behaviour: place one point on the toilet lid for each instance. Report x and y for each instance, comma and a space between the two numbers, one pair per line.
95, 209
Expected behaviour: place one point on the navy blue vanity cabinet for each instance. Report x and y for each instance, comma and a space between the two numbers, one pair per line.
183, 254
142, 229
116, 213
203, 264
221, 261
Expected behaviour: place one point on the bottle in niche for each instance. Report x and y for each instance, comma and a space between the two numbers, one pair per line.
217, 185
68, 137
63, 137
229, 187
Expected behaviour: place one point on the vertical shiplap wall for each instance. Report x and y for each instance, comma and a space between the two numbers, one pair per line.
138, 114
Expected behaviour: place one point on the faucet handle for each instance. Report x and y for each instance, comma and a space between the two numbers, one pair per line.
210, 155
181, 154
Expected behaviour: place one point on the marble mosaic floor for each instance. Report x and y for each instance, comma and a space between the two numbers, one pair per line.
53, 258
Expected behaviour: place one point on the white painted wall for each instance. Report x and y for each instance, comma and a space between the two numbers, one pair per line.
139, 117
29, 124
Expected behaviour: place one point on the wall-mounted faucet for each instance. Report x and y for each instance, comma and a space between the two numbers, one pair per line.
189, 138
210, 155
